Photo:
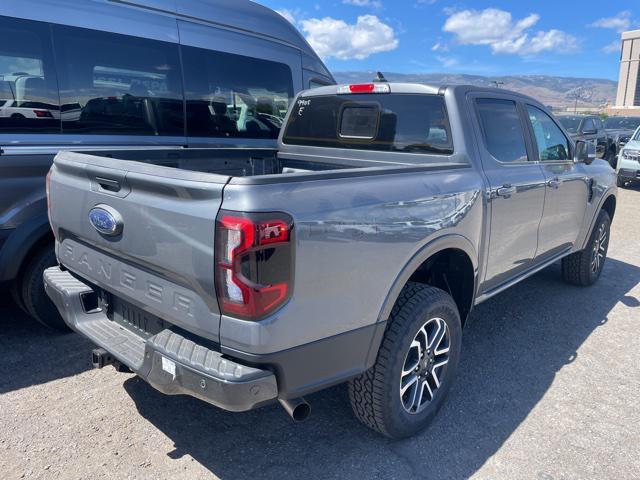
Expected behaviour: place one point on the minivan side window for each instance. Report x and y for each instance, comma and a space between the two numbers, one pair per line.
502, 129
118, 84
552, 144
232, 95
28, 89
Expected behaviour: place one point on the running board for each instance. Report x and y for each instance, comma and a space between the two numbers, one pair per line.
501, 288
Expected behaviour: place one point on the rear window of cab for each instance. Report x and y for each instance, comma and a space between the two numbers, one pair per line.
383, 122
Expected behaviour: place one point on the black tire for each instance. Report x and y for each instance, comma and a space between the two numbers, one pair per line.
579, 267
375, 396
612, 158
36, 301
16, 295
620, 182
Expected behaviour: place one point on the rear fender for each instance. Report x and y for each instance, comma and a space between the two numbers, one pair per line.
20, 242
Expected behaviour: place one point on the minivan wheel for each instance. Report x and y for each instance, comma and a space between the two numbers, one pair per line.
35, 299
416, 364
583, 268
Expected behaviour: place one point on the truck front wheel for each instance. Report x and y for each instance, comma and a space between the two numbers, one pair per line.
583, 268
416, 364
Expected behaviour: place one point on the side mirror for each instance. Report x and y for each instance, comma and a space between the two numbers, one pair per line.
585, 152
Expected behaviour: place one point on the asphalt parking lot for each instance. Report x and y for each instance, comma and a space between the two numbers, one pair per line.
549, 389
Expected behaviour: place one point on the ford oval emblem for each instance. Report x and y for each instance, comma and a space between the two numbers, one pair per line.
106, 220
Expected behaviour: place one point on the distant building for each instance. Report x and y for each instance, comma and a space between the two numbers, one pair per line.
628, 98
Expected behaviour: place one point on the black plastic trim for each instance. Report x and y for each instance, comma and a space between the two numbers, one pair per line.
314, 366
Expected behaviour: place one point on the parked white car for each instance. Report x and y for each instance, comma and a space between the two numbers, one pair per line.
629, 161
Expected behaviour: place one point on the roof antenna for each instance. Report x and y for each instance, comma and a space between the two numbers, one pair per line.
380, 78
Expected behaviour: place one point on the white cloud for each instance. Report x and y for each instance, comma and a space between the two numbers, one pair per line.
498, 30
364, 3
619, 22
331, 37
288, 14
447, 62
440, 47
613, 47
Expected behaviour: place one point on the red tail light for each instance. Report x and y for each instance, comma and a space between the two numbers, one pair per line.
254, 259
365, 88
43, 114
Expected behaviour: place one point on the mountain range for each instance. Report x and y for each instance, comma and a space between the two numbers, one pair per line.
558, 92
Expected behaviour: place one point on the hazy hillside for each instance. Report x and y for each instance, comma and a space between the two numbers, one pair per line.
555, 91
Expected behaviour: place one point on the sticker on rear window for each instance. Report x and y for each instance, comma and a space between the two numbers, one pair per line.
302, 104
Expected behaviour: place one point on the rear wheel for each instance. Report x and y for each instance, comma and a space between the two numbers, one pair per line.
34, 298
417, 361
583, 268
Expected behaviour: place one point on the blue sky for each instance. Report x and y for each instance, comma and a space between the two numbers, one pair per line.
565, 38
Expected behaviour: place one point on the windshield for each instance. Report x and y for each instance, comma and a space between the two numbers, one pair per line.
622, 123
394, 123
570, 124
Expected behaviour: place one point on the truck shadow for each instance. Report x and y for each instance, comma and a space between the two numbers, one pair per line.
513, 347
33, 354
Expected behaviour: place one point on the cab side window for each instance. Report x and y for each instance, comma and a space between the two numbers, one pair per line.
552, 144
114, 84
28, 86
234, 96
502, 129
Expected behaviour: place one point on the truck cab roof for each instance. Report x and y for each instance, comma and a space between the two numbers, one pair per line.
414, 88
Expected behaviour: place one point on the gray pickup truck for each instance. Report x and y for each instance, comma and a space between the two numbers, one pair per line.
355, 252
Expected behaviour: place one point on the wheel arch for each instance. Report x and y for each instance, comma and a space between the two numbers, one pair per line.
454, 247
609, 205
28, 237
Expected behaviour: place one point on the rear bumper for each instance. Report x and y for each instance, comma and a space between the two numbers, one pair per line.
168, 361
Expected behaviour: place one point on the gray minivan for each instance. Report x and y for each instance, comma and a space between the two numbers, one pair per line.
110, 74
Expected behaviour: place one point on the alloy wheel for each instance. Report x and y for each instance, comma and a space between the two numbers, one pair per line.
424, 365
599, 251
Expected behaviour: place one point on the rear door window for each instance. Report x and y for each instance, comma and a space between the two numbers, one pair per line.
502, 129
234, 96
384, 122
118, 84
28, 87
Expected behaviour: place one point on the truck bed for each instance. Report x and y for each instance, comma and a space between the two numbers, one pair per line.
241, 165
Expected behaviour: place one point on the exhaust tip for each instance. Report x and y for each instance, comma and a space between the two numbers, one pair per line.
297, 408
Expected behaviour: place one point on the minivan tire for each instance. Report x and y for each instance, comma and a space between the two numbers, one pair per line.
578, 268
34, 298
376, 395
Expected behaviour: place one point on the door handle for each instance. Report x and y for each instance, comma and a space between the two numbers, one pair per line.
555, 182
108, 184
506, 191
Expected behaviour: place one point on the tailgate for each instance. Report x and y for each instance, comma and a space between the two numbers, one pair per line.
159, 255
